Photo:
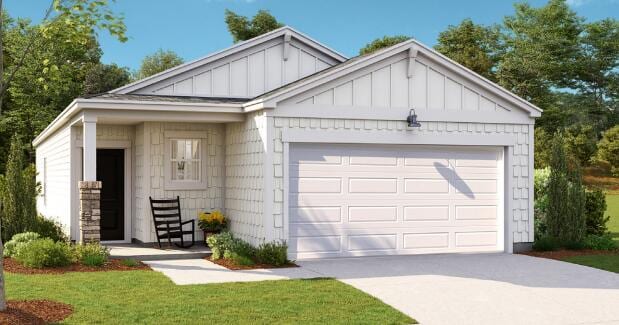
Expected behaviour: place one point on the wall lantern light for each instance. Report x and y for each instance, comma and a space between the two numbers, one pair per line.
412, 119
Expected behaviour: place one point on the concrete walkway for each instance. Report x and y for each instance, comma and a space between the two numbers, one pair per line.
482, 288
151, 252
201, 271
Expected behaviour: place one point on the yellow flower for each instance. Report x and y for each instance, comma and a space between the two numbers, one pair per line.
215, 216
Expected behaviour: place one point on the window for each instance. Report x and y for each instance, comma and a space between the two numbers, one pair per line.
185, 160
184, 163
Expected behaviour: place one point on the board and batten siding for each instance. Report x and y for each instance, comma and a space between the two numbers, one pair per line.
246, 74
386, 84
521, 166
245, 166
53, 164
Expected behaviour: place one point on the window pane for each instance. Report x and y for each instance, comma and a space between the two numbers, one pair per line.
195, 149
174, 151
192, 171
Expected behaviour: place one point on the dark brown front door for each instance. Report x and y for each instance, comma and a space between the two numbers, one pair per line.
110, 171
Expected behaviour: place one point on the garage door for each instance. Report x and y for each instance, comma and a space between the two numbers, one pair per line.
356, 200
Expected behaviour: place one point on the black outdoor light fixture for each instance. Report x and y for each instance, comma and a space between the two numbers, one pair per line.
412, 119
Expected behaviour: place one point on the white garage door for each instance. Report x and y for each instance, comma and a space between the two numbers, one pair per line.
354, 200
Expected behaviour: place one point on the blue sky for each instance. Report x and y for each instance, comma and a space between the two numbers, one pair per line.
194, 28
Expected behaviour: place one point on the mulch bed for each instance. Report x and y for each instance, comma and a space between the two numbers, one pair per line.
37, 312
11, 265
229, 264
564, 253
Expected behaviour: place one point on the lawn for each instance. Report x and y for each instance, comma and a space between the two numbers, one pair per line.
604, 262
149, 297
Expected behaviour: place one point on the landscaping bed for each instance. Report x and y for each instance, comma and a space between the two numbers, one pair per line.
231, 265
34, 312
567, 253
13, 266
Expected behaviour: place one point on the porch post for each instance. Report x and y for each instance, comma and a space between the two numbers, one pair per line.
90, 188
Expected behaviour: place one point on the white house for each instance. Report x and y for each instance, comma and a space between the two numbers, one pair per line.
293, 141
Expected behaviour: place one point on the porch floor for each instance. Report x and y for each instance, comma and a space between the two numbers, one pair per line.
152, 252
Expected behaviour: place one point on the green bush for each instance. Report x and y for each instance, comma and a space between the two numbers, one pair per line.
541, 178
565, 215
129, 262
274, 253
91, 254
242, 248
239, 259
14, 245
219, 243
49, 228
608, 149
581, 142
546, 243
595, 206
18, 193
601, 242
44, 252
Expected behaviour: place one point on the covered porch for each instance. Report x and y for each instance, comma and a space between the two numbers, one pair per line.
127, 148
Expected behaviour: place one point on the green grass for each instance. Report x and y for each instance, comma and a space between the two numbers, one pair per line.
147, 297
604, 262
612, 210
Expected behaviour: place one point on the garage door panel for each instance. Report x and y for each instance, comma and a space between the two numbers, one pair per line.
372, 213
383, 200
328, 214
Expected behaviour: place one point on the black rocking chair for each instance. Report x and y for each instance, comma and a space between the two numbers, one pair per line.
168, 223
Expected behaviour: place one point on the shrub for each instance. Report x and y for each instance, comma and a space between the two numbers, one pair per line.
581, 141
274, 253
49, 228
219, 243
44, 253
129, 262
565, 215
239, 259
608, 149
602, 242
14, 245
18, 193
541, 200
595, 206
91, 254
546, 243
242, 248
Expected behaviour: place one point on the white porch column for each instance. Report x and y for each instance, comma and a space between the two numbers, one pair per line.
89, 137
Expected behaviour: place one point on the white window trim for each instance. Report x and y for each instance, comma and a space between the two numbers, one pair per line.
169, 184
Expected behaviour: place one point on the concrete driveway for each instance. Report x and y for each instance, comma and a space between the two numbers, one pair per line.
482, 288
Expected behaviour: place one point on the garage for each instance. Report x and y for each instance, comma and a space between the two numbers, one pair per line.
361, 200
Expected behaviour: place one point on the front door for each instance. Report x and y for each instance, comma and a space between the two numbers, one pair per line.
110, 171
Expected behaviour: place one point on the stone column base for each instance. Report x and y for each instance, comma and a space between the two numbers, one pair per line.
90, 212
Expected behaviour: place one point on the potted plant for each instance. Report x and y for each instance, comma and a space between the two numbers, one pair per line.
211, 223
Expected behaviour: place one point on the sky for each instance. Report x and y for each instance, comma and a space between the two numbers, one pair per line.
195, 28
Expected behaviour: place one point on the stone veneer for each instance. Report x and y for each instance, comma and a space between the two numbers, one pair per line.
90, 212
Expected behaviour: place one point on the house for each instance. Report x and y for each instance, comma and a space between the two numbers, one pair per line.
293, 141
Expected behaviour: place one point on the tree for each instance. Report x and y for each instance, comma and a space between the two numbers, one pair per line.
157, 62
79, 21
18, 193
608, 149
541, 48
474, 46
104, 77
565, 213
242, 28
381, 43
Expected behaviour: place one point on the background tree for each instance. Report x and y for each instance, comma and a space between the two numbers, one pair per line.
608, 149
77, 22
381, 43
242, 28
104, 77
157, 62
474, 46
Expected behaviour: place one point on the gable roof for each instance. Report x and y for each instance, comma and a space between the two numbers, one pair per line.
270, 98
238, 47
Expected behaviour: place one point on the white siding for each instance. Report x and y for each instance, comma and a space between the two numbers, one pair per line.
55, 201
246, 74
245, 154
386, 84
